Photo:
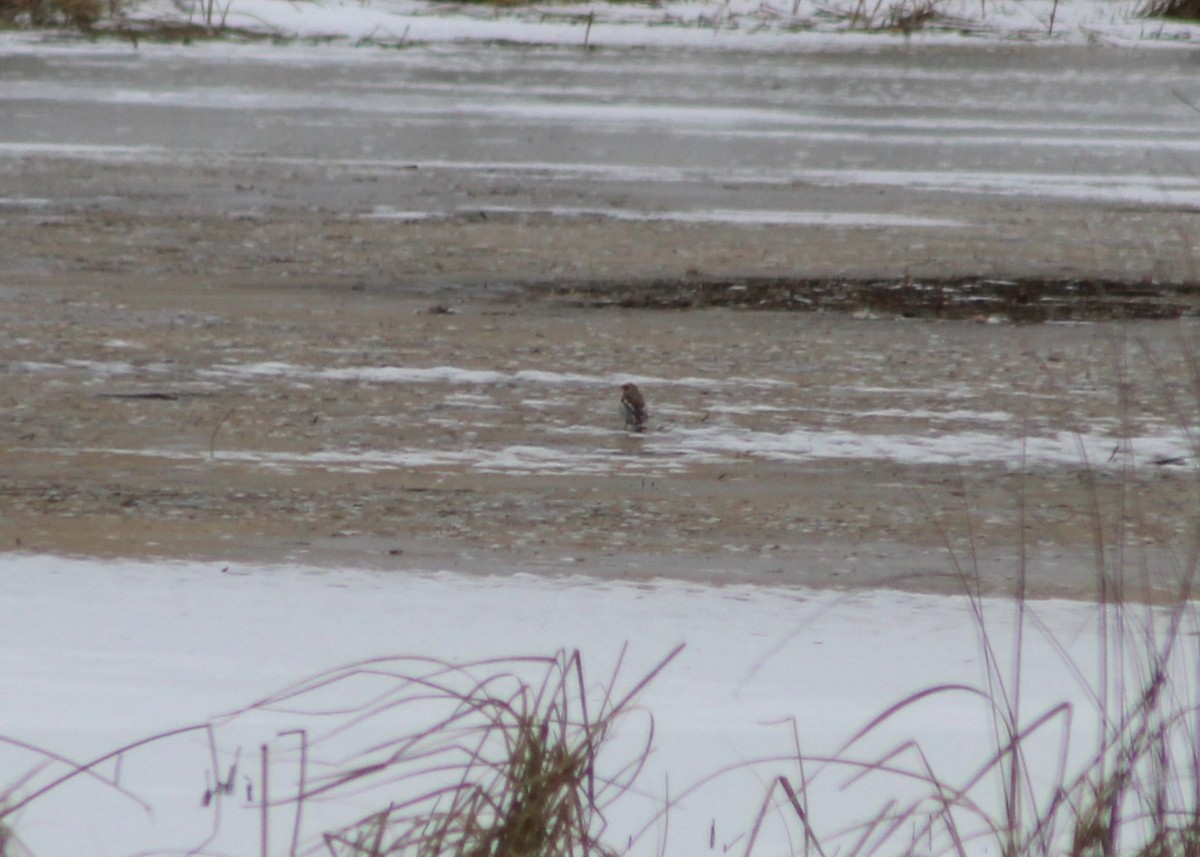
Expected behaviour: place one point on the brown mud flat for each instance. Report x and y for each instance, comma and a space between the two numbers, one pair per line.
129, 432
1024, 300
135, 425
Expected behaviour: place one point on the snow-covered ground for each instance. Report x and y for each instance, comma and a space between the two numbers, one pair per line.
97, 655
722, 24
727, 24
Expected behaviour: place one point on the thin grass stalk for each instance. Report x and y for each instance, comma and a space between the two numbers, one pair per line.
265, 810
1012, 715
87, 768
1106, 594
1132, 799
756, 828
300, 787
1005, 719
810, 836
857, 848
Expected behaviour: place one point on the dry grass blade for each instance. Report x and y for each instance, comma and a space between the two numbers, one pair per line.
78, 769
809, 835
1136, 791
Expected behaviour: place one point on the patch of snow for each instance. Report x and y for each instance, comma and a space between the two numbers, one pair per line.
1180, 190
479, 377
96, 152
958, 415
1060, 449
516, 459
674, 449
741, 216
98, 654
731, 25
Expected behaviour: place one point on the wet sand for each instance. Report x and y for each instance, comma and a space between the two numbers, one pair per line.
127, 433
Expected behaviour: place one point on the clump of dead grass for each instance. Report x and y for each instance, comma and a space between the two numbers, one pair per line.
1179, 10
1134, 796
505, 762
81, 14
905, 16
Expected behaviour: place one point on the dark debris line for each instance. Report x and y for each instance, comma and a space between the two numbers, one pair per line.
1028, 301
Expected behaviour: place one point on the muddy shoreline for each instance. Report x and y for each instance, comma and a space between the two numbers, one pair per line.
137, 424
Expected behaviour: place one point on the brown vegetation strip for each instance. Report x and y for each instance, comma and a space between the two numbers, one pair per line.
1023, 300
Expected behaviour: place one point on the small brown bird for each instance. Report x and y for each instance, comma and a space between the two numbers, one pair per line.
633, 407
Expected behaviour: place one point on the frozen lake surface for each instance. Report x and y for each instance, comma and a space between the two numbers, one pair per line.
886, 134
